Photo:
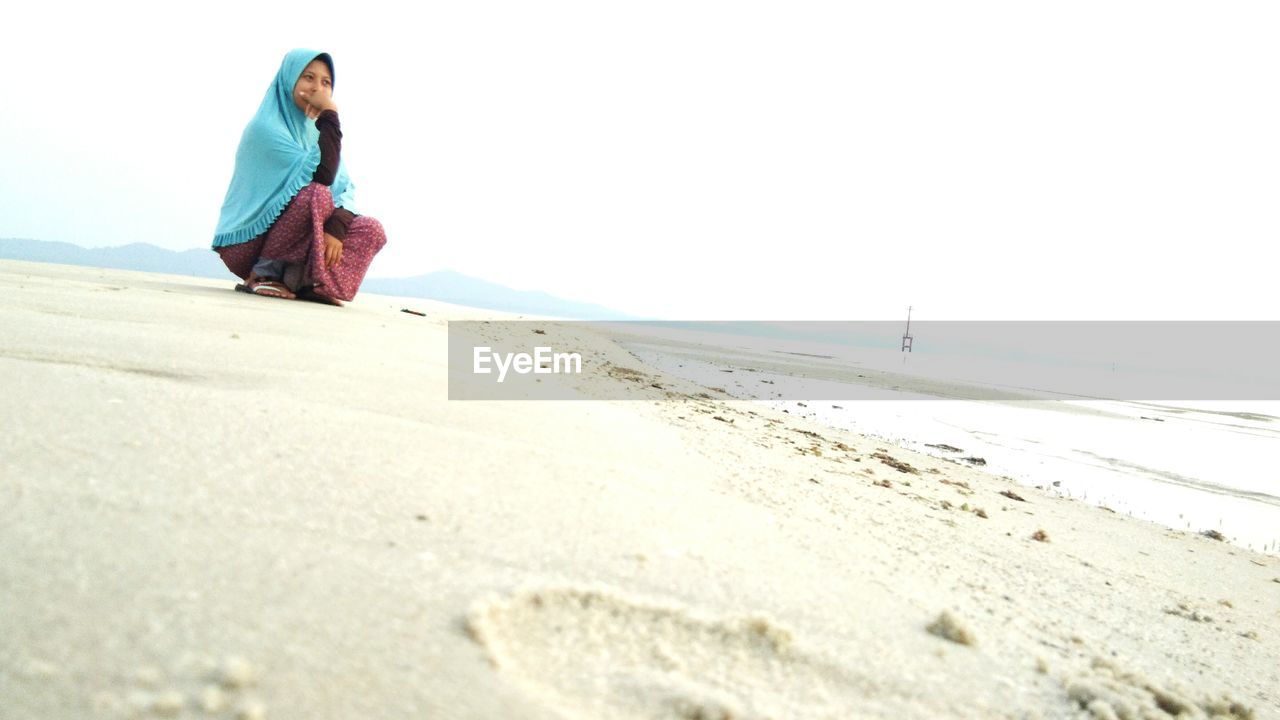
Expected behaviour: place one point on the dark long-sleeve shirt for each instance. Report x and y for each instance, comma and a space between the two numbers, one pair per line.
330, 154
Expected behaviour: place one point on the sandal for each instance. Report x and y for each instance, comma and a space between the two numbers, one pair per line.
266, 288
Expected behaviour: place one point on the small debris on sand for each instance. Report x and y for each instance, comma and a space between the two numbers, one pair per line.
626, 373
975, 460
884, 483
949, 627
1013, 495
895, 463
948, 448
1040, 536
721, 419
1185, 611
1214, 535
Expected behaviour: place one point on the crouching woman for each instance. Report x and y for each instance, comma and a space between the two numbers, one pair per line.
288, 227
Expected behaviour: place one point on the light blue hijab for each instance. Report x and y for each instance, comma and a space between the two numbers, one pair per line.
278, 154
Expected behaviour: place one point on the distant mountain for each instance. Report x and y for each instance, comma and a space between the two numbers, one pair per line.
135, 256
443, 285
453, 287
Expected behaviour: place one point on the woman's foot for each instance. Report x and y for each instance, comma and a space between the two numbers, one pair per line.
267, 287
308, 292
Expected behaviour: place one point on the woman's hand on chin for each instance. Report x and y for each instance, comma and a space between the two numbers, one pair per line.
318, 102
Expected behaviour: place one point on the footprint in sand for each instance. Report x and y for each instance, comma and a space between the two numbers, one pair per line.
593, 653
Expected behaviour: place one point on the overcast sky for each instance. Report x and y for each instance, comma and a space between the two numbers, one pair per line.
702, 160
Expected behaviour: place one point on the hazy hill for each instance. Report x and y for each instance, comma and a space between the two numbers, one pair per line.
135, 256
454, 287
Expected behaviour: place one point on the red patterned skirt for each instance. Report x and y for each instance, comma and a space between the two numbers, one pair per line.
297, 238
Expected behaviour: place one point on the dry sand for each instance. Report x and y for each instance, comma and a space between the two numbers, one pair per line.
215, 505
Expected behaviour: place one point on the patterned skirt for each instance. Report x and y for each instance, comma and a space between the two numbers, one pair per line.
297, 238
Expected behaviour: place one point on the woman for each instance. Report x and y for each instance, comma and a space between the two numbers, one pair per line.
287, 225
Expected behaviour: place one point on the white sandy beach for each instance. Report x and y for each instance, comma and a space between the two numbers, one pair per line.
215, 505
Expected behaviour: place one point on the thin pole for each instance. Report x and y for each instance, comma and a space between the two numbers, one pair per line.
906, 336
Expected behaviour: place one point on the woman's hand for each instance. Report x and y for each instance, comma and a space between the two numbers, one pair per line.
332, 251
318, 102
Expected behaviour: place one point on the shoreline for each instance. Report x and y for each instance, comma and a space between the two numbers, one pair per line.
271, 510
1248, 516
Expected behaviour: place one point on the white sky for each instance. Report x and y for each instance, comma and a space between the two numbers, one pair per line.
702, 160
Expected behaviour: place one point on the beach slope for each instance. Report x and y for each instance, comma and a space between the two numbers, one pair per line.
217, 505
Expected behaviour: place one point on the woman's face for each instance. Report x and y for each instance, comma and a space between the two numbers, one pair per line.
315, 78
